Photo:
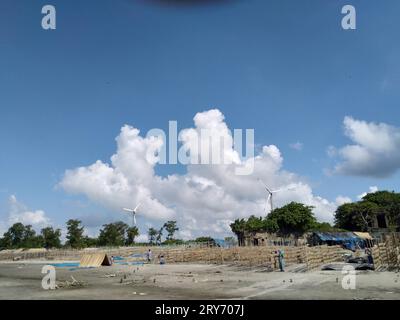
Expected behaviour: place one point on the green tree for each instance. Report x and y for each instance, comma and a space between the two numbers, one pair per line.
175, 242
14, 237
113, 234
90, 242
388, 203
131, 234
238, 227
4, 244
293, 218
30, 239
325, 227
255, 224
159, 235
51, 237
20, 236
357, 216
75, 238
152, 233
383, 199
206, 240
271, 225
230, 241
171, 228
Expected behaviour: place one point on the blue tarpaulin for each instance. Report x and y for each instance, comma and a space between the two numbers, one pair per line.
65, 265
133, 263
337, 236
118, 258
220, 243
348, 239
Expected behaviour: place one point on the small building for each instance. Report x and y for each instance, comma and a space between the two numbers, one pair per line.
380, 222
259, 239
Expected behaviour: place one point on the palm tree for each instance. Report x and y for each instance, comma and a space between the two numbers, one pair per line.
131, 234
159, 236
239, 228
152, 235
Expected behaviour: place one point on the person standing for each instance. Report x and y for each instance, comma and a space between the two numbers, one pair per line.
281, 260
368, 252
149, 256
162, 259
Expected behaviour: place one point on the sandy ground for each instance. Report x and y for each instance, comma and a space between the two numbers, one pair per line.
22, 280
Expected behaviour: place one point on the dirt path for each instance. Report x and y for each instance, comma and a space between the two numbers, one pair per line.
191, 281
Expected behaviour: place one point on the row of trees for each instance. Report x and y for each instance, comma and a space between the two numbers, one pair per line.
20, 236
112, 234
155, 235
360, 216
297, 218
294, 218
23, 236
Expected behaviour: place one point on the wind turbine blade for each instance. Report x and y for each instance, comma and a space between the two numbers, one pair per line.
127, 210
266, 203
262, 182
137, 207
265, 186
134, 219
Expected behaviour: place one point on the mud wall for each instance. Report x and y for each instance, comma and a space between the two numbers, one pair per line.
311, 257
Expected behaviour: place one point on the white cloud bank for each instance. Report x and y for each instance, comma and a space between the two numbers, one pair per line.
375, 151
18, 212
206, 199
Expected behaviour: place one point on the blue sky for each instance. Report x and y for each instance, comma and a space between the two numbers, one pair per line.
285, 68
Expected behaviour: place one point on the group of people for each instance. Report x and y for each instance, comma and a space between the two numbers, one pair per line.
149, 257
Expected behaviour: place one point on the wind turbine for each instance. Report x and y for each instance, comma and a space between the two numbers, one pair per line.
271, 193
132, 212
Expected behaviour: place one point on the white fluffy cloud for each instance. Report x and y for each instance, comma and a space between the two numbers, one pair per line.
298, 146
375, 151
20, 213
372, 189
342, 200
207, 198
